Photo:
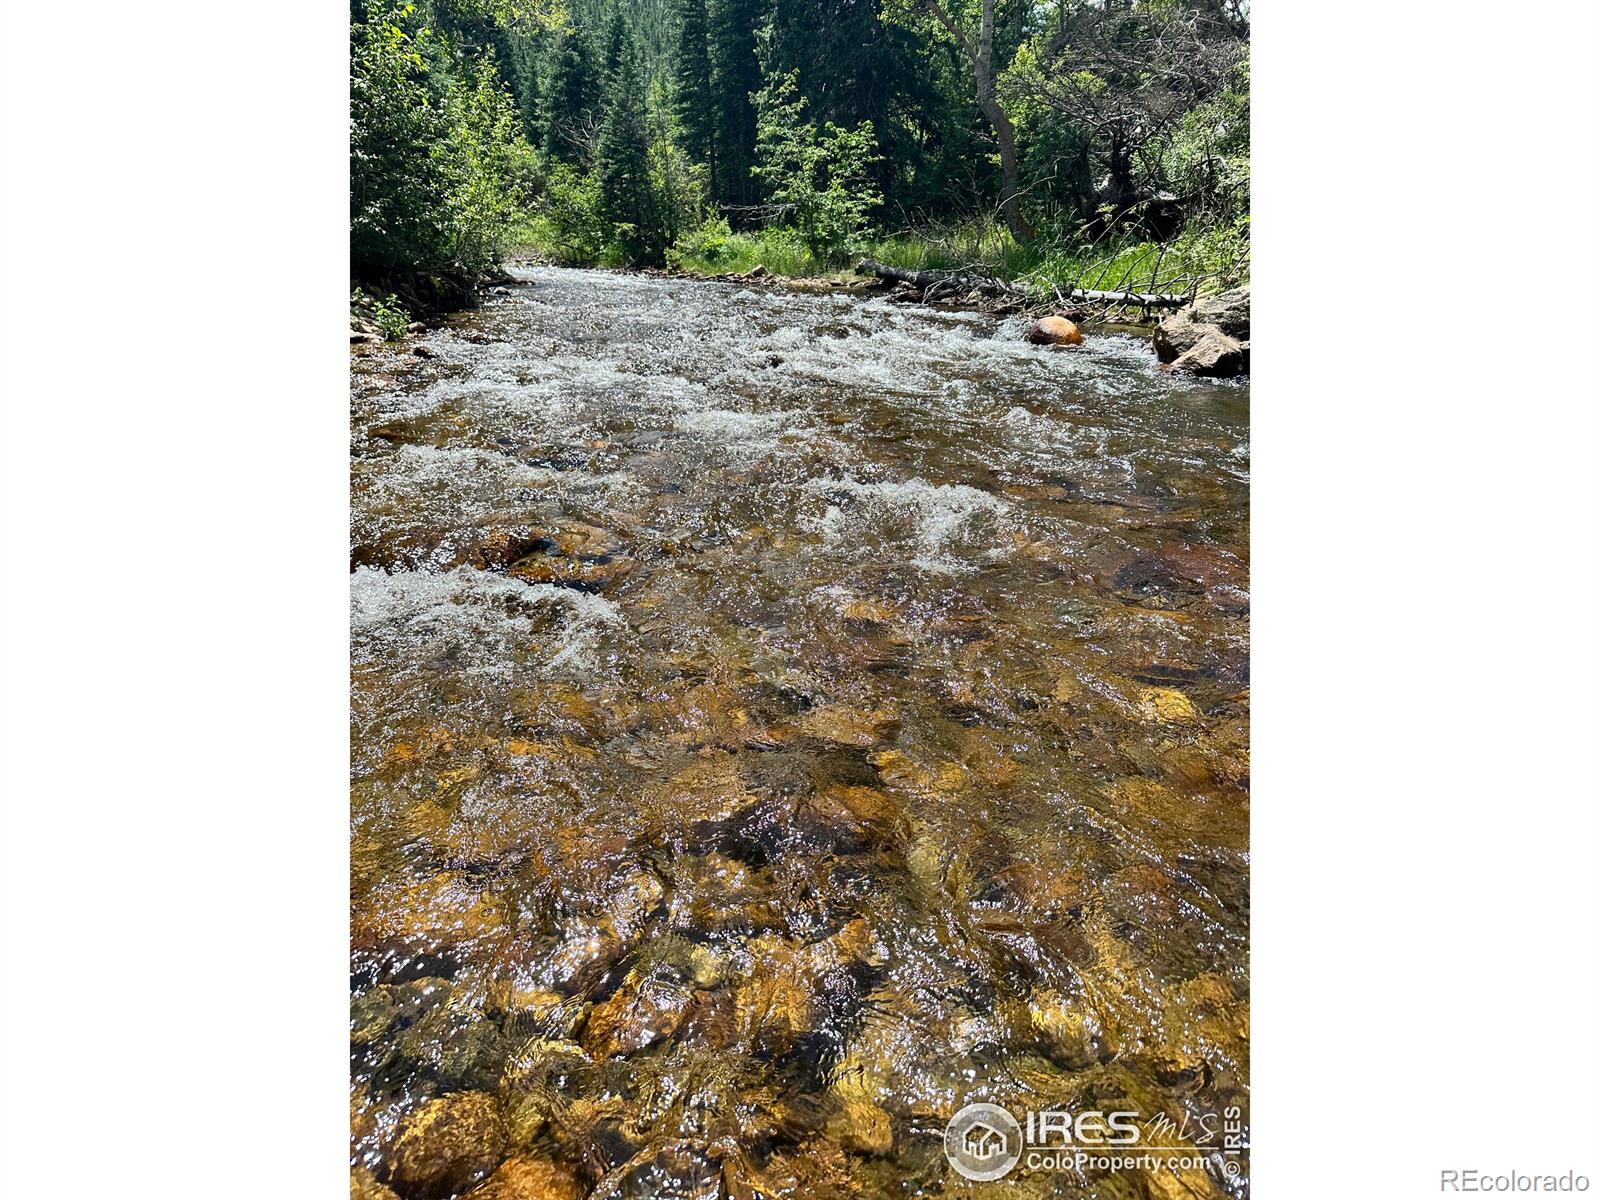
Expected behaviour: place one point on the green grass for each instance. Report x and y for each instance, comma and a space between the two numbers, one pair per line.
775, 249
1213, 258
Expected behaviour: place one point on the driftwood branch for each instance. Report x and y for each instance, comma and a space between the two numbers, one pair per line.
964, 281
1142, 299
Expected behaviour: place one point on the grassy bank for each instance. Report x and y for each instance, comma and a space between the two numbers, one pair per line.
1212, 259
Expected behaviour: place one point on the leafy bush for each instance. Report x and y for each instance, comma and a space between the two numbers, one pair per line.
570, 226
1209, 157
485, 155
818, 177
399, 187
679, 184
390, 317
710, 244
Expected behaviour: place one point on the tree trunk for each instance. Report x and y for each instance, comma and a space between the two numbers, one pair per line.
981, 58
983, 77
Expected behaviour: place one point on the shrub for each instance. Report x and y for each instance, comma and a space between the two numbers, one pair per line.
570, 226
711, 243
390, 317
819, 181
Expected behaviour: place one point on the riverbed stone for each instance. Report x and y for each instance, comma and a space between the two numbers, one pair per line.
845, 726
1176, 334
1209, 337
365, 1186
1167, 705
575, 555
447, 1146
648, 1007
531, 1177
1054, 331
1228, 311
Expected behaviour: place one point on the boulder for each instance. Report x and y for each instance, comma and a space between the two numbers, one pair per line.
1209, 337
1054, 331
1229, 312
1215, 355
1176, 334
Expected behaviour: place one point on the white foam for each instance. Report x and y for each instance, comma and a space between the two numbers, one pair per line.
729, 424
938, 516
486, 622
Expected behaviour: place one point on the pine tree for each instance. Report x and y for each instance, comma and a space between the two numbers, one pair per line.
735, 78
619, 42
628, 200
569, 97
692, 98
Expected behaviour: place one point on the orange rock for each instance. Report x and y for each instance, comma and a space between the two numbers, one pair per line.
528, 1177
448, 1145
1054, 331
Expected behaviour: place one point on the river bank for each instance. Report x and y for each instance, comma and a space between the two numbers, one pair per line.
1202, 260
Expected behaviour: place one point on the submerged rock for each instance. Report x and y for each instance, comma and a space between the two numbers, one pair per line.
643, 1011
1167, 704
845, 726
364, 1186
1054, 331
447, 1145
575, 555
529, 1177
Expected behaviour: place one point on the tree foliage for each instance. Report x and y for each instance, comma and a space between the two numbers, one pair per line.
629, 200
818, 178
611, 129
438, 164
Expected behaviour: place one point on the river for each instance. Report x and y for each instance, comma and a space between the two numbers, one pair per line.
779, 720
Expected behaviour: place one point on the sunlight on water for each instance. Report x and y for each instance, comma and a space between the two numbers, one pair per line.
778, 721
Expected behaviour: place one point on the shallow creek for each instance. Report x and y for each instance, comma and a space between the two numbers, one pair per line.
778, 721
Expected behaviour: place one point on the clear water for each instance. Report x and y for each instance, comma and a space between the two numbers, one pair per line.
779, 720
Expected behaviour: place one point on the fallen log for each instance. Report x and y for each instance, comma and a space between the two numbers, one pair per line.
965, 281
1142, 299
951, 280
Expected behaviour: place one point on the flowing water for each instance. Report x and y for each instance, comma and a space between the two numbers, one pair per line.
780, 720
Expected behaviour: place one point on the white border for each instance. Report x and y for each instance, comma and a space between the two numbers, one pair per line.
174, 712
174, 602
1426, 953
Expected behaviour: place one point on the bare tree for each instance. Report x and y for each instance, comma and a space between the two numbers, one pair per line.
1126, 72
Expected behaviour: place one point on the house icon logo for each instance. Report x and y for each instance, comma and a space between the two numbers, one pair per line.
983, 1142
